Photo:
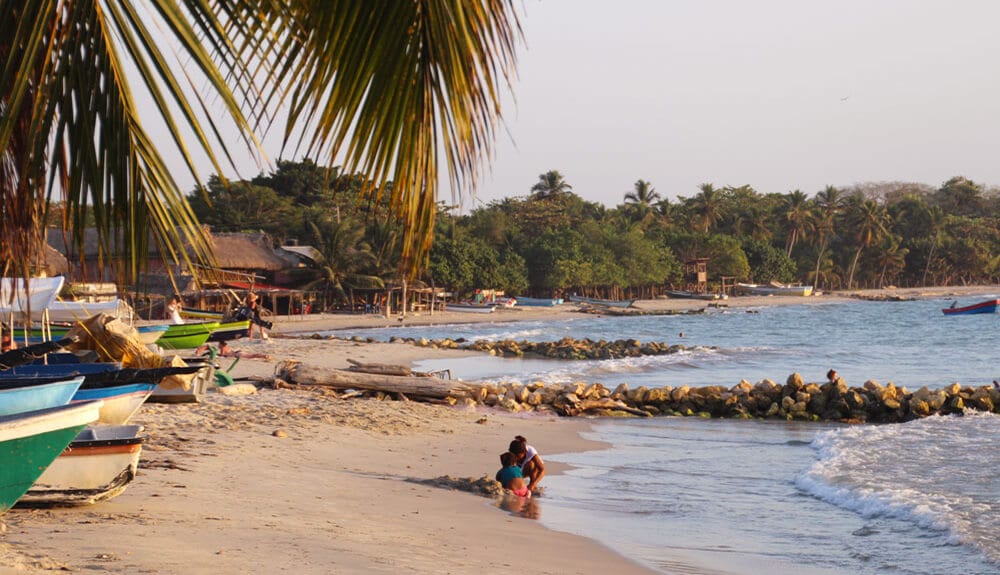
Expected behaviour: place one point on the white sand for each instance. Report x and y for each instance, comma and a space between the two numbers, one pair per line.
219, 493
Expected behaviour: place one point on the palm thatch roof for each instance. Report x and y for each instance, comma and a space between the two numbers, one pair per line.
246, 252
240, 251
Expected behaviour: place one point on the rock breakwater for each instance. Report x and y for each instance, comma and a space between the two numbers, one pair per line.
794, 400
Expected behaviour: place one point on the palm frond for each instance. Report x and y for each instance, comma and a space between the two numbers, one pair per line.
389, 85
71, 71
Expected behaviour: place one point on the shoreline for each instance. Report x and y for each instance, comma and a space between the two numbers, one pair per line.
301, 325
294, 480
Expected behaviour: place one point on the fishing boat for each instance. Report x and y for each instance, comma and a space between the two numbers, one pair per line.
95, 375
33, 397
121, 402
230, 330
187, 335
150, 334
71, 311
96, 466
195, 313
602, 302
471, 307
30, 442
775, 288
31, 353
988, 306
16, 298
684, 294
538, 301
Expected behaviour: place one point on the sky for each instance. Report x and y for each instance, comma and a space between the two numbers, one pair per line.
776, 94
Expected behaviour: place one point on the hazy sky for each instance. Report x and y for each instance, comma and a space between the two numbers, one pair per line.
780, 95
777, 94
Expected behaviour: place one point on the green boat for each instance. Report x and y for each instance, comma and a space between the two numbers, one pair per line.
230, 330
187, 335
31, 441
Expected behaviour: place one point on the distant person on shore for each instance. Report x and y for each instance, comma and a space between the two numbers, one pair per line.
510, 475
174, 310
532, 466
251, 310
832, 376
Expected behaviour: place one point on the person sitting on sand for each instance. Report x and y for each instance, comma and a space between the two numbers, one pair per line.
531, 463
510, 476
225, 351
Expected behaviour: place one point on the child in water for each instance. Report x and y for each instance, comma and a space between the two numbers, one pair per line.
510, 475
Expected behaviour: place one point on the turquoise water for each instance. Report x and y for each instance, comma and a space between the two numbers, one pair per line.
683, 494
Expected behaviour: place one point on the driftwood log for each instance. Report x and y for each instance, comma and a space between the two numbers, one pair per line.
379, 368
604, 404
409, 386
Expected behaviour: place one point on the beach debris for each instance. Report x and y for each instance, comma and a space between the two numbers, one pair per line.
237, 389
486, 486
414, 387
279, 433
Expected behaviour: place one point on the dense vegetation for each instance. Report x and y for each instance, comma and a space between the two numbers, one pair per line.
552, 241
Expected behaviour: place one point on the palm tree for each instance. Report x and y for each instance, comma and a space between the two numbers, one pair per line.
935, 223
891, 258
551, 184
391, 89
798, 218
640, 201
829, 204
643, 194
343, 256
869, 222
708, 207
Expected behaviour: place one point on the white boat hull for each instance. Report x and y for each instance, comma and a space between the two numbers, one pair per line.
471, 308
89, 471
118, 410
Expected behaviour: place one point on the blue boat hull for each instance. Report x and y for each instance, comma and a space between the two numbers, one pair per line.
989, 306
35, 397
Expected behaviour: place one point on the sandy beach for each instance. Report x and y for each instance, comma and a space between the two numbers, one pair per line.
305, 482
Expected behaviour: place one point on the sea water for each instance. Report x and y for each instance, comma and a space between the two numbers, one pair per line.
720, 496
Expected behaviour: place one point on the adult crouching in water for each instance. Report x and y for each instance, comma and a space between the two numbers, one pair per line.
532, 466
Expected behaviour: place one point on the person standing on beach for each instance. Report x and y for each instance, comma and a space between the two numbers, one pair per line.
253, 311
532, 466
174, 310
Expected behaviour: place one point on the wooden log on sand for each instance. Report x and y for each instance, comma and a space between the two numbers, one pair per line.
379, 368
410, 386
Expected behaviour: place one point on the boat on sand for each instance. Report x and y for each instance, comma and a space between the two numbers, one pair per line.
30, 442
97, 465
775, 288
602, 302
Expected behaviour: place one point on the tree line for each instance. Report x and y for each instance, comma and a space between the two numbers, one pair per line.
551, 241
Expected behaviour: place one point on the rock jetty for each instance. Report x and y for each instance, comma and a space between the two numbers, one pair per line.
793, 400
566, 348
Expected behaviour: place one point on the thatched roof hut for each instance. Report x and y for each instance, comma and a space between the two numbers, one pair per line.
249, 252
